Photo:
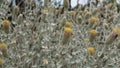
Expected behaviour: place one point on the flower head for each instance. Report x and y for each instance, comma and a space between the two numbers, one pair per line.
16, 10
91, 50
68, 24
3, 47
93, 32
94, 19
68, 31
67, 34
116, 30
6, 25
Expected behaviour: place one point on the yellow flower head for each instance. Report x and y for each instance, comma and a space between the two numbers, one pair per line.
3, 47
93, 32
1, 61
6, 24
68, 31
91, 50
68, 24
116, 30
94, 19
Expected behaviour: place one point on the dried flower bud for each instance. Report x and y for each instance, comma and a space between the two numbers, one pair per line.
61, 10
114, 34
63, 21
49, 7
20, 18
1, 62
6, 25
56, 13
13, 42
68, 24
66, 4
72, 13
67, 34
15, 10
79, 18
91, 50
110, 5
45, 3
45, 61
87, 40
93, 34
85, 12
45, 11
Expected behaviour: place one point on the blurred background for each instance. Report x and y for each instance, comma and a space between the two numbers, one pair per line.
73, 2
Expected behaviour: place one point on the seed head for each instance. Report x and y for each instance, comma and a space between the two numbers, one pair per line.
20, 19
45, 61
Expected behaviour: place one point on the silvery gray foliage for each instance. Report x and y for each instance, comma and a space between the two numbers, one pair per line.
38, 44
